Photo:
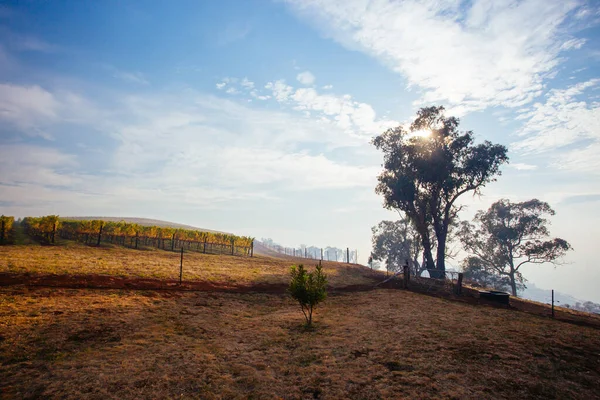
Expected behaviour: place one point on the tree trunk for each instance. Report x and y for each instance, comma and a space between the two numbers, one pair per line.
427, 252
441, 258
513, 283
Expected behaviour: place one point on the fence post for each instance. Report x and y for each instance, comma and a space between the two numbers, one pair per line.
305, 252
137, 235
348, 255
232, 248
100, 234
406, 276
459, 284
252, 249
204, 245
173, 243
321, 254
181, 267
552, 303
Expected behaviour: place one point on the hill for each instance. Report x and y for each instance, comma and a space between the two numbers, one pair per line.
91, 263
145, 222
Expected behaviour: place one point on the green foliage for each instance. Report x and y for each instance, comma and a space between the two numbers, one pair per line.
92, 231
424, 175
6, 225
42, 228
308, 288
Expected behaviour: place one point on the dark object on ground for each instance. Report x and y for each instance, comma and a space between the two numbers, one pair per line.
493, 295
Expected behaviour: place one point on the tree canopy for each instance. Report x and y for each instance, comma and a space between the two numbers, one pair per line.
424, 175
509, 235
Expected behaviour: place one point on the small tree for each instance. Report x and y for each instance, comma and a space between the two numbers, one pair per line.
308, 288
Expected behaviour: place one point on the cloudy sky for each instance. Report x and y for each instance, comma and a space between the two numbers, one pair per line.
255, 117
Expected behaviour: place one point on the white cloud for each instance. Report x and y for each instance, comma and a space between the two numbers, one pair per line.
306, 78
247, 83
523, 166
327, 87
221, 85
27, 164
585, 160
477, 54
201, 150
177, 138
280, 90
345, 112
561, 120
564, 120
28, 108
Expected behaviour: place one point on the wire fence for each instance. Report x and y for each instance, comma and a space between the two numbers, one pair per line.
316, 253
138, 242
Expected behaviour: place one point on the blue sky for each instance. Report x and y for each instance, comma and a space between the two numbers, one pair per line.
255, 117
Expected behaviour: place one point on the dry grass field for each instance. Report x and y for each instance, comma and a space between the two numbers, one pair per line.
78, 259
102, 344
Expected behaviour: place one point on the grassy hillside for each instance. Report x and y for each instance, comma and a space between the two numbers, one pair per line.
79, 259
370, 345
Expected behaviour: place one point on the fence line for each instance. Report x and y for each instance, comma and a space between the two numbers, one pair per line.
137, 241
316, 253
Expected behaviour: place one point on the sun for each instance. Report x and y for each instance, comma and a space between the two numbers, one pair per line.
421, 133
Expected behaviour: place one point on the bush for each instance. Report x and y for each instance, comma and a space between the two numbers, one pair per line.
308, 288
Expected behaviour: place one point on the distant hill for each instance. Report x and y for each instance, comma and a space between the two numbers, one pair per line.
146, 222
561, 299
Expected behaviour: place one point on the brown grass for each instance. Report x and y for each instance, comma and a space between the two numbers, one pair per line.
77, 259
61, 343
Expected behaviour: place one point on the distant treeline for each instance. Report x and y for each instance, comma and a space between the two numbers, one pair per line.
48, 228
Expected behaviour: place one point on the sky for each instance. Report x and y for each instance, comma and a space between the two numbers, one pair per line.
255, 117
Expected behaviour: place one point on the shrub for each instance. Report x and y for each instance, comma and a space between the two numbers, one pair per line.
308, 288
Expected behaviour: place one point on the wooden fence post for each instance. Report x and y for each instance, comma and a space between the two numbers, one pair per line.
204, 245
459, 284
173, 243
181, 267
100, 234
137, 235
252, 249
552, 303
321, 254
348, 255
232, 248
